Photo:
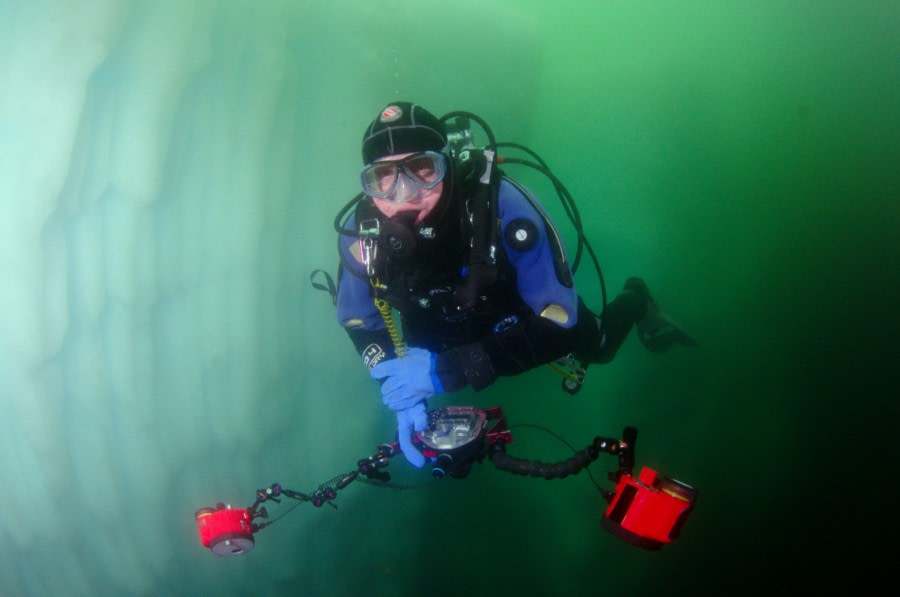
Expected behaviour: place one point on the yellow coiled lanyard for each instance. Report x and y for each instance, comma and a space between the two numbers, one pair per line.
388, 316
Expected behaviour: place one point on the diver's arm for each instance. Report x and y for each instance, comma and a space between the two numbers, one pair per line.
364, 326
373, 346
531, 342
356, 311
553, 321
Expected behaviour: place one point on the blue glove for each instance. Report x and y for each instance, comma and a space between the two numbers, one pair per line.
409, 420
410, 379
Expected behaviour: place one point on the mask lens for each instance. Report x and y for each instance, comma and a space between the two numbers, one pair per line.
425, 170
380, 178
421, 169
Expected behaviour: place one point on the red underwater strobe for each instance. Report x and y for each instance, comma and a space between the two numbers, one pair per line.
649, 511
224, 530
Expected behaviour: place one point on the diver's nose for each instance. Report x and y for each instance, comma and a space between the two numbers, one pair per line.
406, 190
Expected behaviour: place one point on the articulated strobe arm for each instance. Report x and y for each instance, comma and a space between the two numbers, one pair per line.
558, 470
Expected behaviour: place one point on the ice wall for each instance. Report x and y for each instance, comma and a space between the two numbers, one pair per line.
125, 290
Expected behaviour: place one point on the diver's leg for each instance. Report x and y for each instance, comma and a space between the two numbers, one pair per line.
635, 306
619, 317
656, 331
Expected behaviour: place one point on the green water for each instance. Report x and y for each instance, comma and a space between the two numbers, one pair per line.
742, 158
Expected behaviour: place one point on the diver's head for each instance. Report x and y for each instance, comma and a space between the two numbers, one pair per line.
404, 164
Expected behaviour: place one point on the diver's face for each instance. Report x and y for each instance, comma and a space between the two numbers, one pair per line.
408, 197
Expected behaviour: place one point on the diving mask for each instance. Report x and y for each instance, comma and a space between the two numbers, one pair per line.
394, 180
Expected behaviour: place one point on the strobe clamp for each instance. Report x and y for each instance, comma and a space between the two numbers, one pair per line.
371, 467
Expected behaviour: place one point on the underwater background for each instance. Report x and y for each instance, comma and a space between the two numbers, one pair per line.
169, 174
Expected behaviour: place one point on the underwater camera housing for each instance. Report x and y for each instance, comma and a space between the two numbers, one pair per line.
456, 437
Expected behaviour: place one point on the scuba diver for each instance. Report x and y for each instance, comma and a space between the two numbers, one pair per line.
473, 265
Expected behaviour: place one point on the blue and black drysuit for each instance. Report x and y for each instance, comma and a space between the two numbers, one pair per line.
528, 316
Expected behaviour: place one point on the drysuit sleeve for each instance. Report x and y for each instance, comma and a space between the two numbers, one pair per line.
553, 320
356, 311
527, 343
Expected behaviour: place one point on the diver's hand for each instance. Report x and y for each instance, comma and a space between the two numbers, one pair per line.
408, 421
407, 380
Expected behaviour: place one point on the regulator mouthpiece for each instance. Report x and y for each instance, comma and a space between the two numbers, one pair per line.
648, 512
224, 530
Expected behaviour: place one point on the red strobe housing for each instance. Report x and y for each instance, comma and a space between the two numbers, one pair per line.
224, 530
649, 511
